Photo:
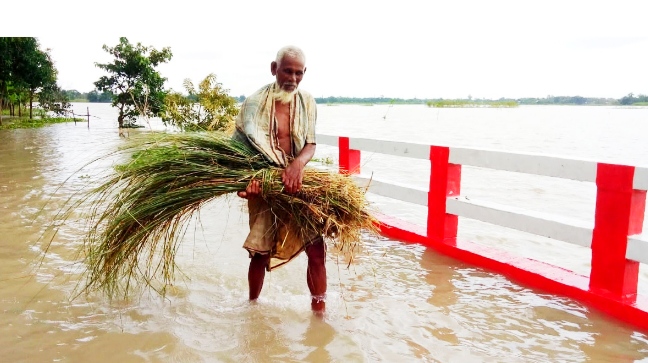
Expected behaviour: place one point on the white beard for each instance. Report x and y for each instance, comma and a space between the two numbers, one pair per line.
283, 96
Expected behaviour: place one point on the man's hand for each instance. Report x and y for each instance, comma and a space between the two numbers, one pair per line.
292, 176
252, 191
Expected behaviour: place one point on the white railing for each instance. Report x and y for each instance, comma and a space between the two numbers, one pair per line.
612, 189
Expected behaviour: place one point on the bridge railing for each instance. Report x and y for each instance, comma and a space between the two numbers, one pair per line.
614, 237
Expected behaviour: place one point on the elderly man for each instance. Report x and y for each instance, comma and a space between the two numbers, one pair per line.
278, 121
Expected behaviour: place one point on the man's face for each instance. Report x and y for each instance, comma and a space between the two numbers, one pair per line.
289, 72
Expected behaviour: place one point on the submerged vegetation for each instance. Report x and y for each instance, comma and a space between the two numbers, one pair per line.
368, 100
472, 103
41, 118
32, 123
138, 215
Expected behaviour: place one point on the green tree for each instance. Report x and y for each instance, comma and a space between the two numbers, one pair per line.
33, 68
74, 94
104, 97
136, 86
628, 100
17, 95
53, 99
93, 96
5, 71
210, 107
25, 70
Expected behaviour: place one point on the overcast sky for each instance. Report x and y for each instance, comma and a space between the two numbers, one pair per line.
407, 49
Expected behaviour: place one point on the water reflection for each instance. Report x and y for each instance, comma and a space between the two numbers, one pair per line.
440, 274
482, 309
318, 336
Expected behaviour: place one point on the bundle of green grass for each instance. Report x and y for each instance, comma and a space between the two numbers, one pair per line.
138, 215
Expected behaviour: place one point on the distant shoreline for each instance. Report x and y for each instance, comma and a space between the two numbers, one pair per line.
424, 103
461, 103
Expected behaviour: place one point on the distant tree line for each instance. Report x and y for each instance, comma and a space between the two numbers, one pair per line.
372, 100
567, 100
92, 96
549, 100
630, 99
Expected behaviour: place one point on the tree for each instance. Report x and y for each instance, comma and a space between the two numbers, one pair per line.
105, 96
73, 94
93, 96
33, 68
213, 109
628, 100
41, 76
25, 70
136, 86
5, 70
53, 99
17, 95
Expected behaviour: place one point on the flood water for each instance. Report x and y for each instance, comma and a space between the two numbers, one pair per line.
396, 302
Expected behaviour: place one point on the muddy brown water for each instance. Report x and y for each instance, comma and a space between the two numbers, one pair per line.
397, 302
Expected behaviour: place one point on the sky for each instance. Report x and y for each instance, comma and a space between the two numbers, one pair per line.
395, 49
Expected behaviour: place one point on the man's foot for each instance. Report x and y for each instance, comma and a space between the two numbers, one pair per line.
319, 308
318, 304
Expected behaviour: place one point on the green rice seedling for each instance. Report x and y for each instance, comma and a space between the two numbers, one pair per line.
138, 215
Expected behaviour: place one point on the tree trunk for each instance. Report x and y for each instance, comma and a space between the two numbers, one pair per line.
31, 99
120, 119
19, 109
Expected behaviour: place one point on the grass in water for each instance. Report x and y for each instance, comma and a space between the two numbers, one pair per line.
27, 123
472, 103
138, 215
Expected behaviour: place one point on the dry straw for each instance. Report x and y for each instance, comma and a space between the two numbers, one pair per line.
138, 215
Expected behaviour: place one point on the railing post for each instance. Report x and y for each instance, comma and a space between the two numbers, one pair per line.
445, 181
349, 158
619, 213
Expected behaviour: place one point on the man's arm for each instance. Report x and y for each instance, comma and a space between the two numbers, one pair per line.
294, 173
291, 176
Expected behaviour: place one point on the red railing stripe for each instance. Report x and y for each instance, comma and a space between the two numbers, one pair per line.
349, 158
613, 222
445, 181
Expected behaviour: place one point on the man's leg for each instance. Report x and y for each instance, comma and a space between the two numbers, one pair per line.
316, 273
256, 273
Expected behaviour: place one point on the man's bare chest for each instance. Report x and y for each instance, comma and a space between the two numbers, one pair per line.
282, 117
